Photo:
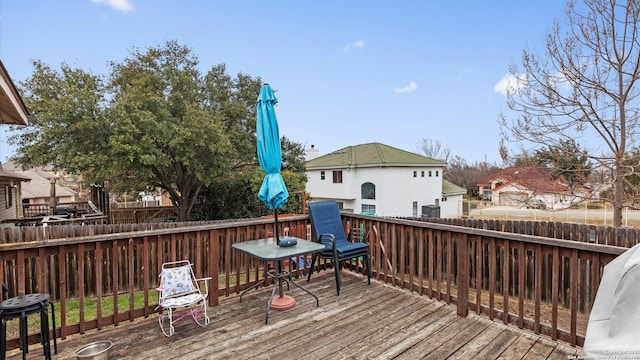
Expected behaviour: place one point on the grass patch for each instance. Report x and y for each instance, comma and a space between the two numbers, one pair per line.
72, 306
72, 311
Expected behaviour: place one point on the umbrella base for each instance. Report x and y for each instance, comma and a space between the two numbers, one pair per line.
284, 302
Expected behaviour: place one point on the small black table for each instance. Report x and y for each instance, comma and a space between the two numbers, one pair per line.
268, 250
20, 307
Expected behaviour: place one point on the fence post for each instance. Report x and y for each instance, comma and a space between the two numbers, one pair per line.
462, 278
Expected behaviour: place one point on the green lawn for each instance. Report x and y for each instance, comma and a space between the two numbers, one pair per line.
72, 310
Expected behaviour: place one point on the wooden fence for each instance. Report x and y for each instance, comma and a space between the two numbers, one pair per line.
33, 210
542, 284
67, 229
125, 215
139, 215
596, 234
143, 219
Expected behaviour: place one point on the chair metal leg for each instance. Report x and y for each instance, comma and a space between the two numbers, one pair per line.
168, 332
336, 267
44, 330
24, 338
200, 309
314, 257
53, 324
3, 338
368, 263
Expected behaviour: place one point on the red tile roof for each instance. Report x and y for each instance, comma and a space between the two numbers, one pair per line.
535, 179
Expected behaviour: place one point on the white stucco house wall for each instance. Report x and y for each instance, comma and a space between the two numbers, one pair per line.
381, 180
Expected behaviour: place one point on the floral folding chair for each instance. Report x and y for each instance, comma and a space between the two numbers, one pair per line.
181, 296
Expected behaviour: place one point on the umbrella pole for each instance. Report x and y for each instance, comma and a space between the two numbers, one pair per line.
275, 225
282, 301
279, 265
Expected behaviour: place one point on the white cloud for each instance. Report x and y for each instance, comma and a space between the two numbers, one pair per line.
462, 74
560, 81
123, 6
358, 44
407, 89
510, 83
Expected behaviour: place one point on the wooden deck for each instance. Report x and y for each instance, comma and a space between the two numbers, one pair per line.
364, 322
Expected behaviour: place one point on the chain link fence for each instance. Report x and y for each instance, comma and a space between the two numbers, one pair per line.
600, 213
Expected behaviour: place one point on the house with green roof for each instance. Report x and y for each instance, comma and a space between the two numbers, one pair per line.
381, 180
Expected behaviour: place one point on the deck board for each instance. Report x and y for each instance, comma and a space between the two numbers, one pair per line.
364, 322
444, 350
475, 345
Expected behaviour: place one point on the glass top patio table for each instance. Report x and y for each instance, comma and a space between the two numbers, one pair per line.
268, 250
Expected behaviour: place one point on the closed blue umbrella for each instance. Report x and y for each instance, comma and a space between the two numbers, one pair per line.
273, 191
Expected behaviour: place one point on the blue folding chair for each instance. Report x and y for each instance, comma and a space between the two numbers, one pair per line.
326, 228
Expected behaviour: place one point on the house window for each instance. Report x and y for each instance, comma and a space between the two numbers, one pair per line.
368, 191
486, 194
422, 173
322, 175
429, 173
8, 191
337, 177
415, 174
437, 172
368, 209
415, 206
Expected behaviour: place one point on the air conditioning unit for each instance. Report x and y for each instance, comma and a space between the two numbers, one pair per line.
431, 211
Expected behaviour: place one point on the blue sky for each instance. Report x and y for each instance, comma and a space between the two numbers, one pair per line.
345, 72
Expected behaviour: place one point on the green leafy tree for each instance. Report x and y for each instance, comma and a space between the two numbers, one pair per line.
632, 180
236, 196
567, 160
68, 120
174, 129
293, 156
156, 122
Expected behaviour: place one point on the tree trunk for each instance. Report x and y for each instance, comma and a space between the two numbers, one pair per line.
183, 211
618, 193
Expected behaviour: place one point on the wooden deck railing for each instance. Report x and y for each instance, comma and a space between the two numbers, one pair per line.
541, 284
545, 285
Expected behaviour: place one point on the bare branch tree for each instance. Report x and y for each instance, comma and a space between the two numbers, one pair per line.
584, 86
434, 149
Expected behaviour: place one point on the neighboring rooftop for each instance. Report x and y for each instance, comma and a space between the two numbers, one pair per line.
12, 108
530, 177
371, 155
39, 182
450, 189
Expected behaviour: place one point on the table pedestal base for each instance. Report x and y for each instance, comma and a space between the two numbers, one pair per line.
284, 302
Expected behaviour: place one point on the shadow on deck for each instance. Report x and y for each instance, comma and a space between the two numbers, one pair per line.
364, 322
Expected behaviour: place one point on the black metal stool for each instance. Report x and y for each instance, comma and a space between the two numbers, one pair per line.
20, 307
